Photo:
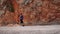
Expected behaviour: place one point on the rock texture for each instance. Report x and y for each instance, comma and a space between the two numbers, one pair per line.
34, 12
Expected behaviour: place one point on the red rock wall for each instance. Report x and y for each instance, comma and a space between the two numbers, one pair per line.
34, 12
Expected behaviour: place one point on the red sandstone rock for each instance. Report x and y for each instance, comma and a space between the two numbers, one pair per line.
34, 11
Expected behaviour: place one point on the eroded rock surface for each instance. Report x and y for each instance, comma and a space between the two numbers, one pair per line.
35, 12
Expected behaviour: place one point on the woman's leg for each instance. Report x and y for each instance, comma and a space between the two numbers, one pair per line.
21, 21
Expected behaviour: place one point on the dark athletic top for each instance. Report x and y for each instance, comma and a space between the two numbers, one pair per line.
21, 17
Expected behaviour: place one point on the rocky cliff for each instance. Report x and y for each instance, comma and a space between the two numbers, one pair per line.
34, 11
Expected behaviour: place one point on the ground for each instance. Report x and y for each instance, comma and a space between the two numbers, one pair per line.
48, 29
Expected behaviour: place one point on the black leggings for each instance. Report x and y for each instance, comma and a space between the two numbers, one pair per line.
21, 21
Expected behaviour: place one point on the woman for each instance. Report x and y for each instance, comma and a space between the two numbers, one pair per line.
21, 18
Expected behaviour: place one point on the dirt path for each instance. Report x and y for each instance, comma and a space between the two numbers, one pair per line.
52, 29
